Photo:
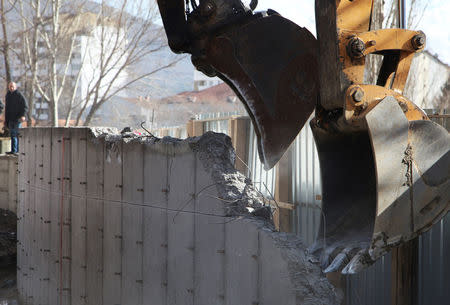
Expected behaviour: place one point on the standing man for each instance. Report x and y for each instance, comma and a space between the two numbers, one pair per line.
15, 109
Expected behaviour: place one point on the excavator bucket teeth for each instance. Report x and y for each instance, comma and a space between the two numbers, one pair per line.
381, 187
281, 101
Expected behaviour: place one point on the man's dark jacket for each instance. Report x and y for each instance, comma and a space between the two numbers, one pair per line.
16, 106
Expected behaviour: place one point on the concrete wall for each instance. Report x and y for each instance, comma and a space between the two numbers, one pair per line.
8, 182
111, 220
426, 80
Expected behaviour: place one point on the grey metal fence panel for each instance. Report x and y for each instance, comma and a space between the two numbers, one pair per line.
434, 264
263, 180
371, 286
306, 183
307, 187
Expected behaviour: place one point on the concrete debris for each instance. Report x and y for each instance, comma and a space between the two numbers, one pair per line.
216, 153
7, 237
264, 213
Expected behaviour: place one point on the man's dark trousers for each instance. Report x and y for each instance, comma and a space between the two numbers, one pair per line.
14, 133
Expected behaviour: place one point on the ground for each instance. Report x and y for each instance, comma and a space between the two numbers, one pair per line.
8, 290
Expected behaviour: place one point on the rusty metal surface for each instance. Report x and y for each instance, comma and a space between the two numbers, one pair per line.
354, 15
346, 24
361, 99
383, 42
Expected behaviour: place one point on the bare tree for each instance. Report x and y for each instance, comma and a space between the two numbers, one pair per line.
77, 57
5, 41
414, 13
45, 49
62, 31
123, 38
29, 51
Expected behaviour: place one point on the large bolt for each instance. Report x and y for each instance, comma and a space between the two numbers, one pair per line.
418, 41
356, 47
358, 95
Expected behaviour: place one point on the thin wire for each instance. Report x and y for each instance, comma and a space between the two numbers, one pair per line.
144, 205
270, 193
324, 227
146, 130
194, 196
221, 199
248, 168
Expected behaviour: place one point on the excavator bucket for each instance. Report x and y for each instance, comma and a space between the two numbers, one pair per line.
381, 186
271, 63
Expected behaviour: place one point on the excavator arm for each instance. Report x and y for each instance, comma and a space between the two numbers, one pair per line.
385, 166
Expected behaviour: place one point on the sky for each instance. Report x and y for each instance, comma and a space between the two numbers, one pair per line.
434, 23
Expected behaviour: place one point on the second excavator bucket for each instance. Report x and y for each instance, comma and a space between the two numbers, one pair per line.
381, 186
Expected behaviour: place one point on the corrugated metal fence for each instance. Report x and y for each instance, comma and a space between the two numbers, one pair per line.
263, 180
434, 264
306, 186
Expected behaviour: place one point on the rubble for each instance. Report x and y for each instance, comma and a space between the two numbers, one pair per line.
8, 231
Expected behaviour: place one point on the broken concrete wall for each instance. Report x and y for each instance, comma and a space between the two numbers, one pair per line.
109, 219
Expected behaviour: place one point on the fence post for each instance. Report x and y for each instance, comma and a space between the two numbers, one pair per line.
283, 187
197, 128
190, 128
238, 129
